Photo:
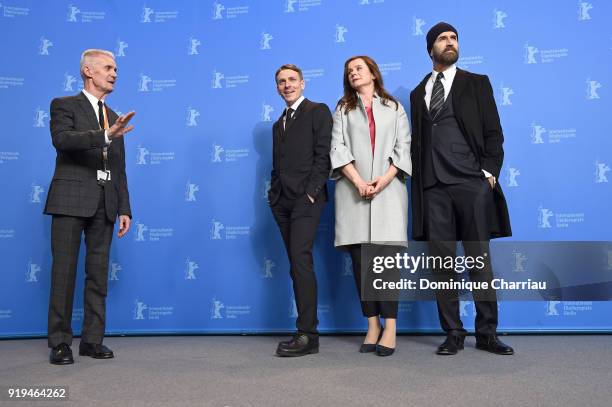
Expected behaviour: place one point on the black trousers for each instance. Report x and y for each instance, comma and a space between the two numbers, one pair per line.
360, 256
298, 220
66, 234
460, 212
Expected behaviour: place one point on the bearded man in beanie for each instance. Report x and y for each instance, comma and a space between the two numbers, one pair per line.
457, 156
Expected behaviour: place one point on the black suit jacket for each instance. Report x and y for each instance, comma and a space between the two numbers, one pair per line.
300, 163
476, 113
78, 141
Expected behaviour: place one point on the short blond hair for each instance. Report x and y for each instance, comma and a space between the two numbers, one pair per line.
90, 53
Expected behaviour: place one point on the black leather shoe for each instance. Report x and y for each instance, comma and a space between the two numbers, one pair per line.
95, 350
286, 343
384, 351
492, 344
451, 345
61, 355
300, 345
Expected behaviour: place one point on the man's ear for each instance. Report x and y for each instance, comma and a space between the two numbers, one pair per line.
87, 71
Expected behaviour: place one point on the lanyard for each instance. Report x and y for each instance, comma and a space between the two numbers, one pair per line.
105, 148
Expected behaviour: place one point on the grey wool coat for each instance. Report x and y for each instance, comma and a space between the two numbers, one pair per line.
383, 219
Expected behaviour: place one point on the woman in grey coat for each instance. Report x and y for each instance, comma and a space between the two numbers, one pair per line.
370, 156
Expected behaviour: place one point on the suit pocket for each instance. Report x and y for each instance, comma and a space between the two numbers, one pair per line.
65, 179
461, 151
60, 183
62, 189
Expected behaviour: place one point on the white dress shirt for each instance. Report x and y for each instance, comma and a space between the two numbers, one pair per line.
447, 82
94, 103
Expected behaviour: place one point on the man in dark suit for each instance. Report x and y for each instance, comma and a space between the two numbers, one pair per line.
297, 196
87, 193
457, 156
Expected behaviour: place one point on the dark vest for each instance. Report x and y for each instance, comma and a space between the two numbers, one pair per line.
447, 157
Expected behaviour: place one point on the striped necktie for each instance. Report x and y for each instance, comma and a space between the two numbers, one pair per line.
437, 96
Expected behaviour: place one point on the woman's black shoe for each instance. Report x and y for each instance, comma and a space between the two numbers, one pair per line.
370, 347
367, 348
384, 351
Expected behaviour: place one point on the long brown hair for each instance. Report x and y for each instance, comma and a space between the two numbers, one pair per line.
349, 100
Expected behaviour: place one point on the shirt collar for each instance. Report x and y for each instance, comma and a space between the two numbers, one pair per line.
449, 73
374, 97
92, 99
296, 104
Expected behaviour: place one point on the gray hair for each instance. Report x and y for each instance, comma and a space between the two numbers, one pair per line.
88, 54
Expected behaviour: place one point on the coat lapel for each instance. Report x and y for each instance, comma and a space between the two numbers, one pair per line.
88, 111
459, 99
419, 100
420, 92
91, 114
112, 116
457, 90
296, 116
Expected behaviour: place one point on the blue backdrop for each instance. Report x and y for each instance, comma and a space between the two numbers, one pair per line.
204, 254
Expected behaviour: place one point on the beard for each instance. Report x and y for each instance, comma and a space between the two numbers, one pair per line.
446, 58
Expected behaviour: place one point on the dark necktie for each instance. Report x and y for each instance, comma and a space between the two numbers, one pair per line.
101, 114
437, 96
288, 116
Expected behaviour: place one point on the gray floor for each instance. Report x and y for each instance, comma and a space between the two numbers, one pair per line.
240, 371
